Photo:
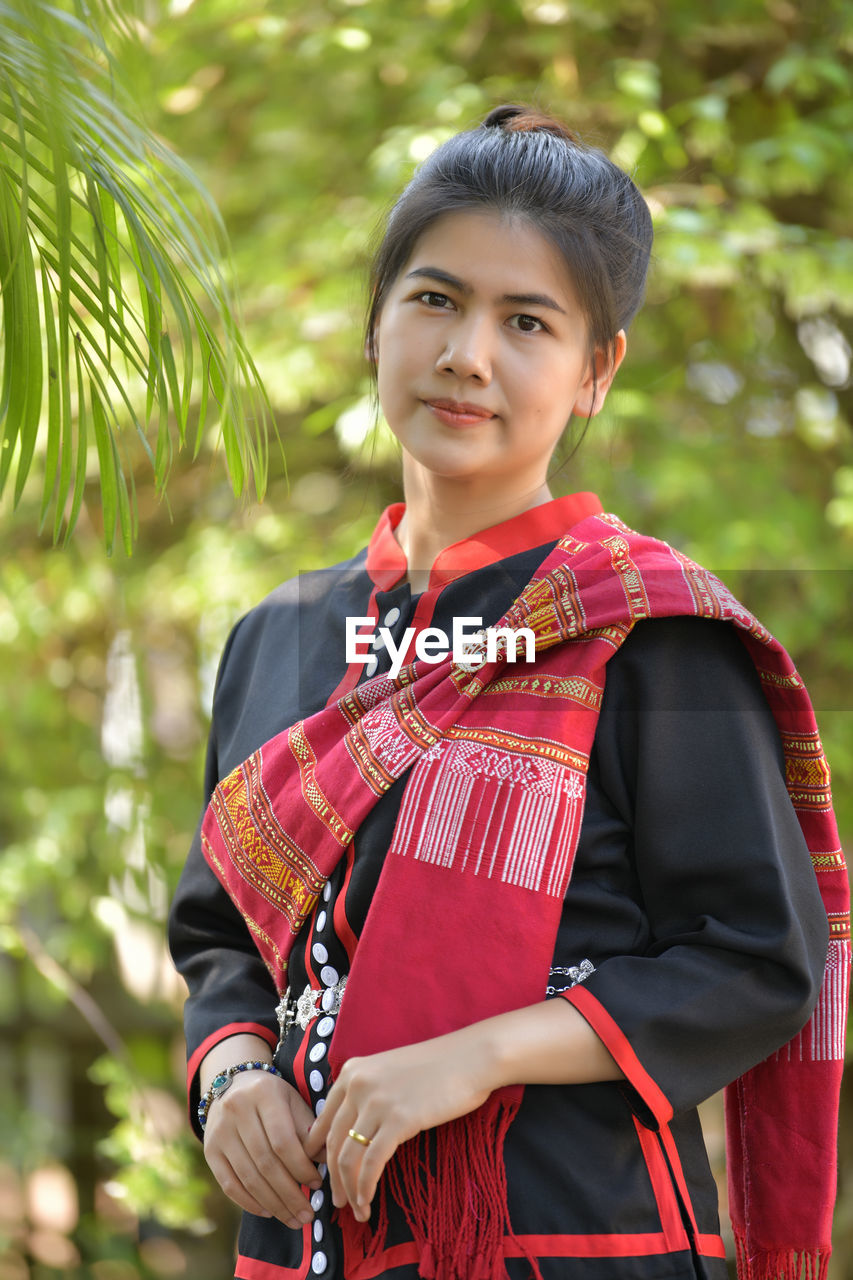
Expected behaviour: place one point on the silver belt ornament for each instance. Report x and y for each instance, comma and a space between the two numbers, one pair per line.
313, 1002
575, 973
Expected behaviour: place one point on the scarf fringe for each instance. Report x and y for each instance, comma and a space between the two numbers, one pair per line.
781, 1264
451, 1185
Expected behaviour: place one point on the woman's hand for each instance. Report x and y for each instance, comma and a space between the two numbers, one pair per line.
254, 1142
388, 1098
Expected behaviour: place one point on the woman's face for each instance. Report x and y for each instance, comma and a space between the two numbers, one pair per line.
482, 354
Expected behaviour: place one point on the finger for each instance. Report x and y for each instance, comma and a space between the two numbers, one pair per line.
349, 1156
373, 1163
262, 1174
302, 1114
248, 1116
286, 1143
267, 1169
317, 1138
230, 1183
335, 1142
288, 1204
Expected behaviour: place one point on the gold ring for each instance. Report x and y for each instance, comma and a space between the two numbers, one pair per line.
359, 1137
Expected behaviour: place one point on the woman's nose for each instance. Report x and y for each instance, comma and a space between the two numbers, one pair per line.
467, 351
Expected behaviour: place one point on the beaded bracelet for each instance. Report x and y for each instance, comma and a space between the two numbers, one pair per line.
220, 1083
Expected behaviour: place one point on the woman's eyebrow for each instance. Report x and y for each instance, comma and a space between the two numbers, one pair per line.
516, 299
444, 277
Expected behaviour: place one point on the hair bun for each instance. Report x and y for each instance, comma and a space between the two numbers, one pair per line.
513, 118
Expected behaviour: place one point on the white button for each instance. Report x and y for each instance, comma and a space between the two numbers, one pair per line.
371, 665
319, 1108
327, 1000
391, 616
327, 891
316, 1081
318, 1230
325, 1026
378, 642
322, 1169
318, 1052
319, 953
319, 1263
321, 922
328, 974
317, 1201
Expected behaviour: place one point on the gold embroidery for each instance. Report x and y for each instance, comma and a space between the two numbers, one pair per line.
259, 847
829, 861
574, 688
314, 797
839, 925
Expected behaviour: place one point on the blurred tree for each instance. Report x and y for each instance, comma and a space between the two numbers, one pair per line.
728, 434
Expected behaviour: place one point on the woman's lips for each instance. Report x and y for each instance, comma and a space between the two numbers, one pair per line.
457, 413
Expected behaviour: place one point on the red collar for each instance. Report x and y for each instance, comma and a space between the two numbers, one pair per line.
386, 562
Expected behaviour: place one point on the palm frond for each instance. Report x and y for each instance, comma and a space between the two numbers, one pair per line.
114, 305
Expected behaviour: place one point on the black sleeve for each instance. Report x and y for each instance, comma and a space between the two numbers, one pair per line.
732, 961
230, 989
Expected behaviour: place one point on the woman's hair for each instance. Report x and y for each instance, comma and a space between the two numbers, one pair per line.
526, 164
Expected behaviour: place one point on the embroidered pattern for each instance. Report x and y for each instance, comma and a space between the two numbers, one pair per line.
571, 688
630, 578
548, 749
307, 761
822, 1039
828, 861
806, 771
500, 816
260, 849
266, 944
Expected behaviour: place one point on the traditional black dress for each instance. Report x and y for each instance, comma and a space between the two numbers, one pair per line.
692, 919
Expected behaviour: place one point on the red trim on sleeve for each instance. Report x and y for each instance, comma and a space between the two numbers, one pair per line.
232, 1029
615, 1040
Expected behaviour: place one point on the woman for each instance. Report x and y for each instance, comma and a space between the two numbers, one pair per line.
408, 854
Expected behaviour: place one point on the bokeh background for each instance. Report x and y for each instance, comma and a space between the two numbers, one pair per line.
728, 433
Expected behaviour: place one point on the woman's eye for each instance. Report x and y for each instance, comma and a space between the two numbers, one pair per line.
527, 324
436, 300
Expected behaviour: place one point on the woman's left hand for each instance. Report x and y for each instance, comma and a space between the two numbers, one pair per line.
388, 1098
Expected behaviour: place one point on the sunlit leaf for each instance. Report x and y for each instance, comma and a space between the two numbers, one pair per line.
103, 224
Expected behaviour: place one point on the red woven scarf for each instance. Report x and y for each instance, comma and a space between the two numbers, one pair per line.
487, 830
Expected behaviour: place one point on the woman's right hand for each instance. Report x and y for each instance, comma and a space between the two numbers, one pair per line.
254, 1143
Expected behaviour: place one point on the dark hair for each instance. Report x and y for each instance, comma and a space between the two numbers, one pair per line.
522, 162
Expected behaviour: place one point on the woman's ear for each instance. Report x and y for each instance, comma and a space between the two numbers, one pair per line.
599, 377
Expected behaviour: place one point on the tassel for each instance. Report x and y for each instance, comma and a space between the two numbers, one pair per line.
781, 1264
451, 1185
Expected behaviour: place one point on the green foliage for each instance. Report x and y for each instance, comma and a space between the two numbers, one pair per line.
156, 1170
99, 256
728, 433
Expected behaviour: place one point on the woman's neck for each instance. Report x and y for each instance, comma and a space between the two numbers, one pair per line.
437, 516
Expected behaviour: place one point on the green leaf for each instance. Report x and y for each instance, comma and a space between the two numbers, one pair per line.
101, 224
